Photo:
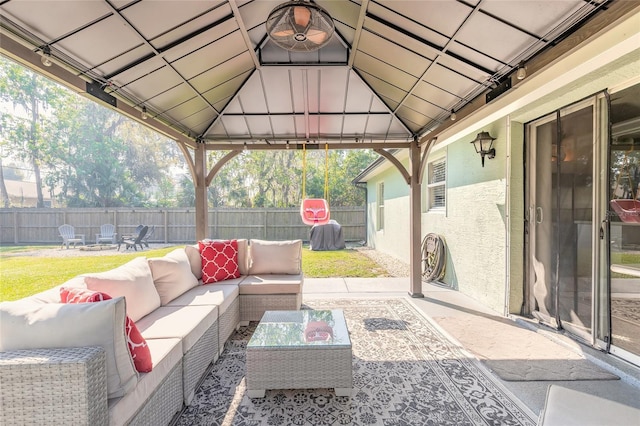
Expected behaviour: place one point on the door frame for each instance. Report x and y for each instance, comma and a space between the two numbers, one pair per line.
599, 229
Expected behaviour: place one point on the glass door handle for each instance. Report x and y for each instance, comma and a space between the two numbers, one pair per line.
603, 226
539, 215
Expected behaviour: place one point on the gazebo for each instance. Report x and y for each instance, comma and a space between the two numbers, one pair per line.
236, 75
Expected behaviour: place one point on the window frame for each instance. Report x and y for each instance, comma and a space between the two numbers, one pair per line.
430, 185
380, 206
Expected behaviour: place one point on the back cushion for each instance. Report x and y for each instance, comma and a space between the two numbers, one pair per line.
275, 257
193, 254
172, 275
138, 348
133, 281
31, 325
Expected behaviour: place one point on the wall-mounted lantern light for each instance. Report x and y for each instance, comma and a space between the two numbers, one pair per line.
483, 143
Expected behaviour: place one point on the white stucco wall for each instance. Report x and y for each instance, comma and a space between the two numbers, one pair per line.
393, 239
473, 226
482, 228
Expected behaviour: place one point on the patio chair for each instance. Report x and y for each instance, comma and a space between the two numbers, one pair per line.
107, 234
69, 236
134, 241
132, 235
145, 240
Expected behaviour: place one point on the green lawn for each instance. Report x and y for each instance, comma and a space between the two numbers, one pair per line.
342, 263
22, 276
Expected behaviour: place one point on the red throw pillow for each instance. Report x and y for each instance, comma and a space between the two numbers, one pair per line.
219, 260
138, 347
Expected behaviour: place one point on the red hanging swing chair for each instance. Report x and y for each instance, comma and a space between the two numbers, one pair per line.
315, 211
627, 209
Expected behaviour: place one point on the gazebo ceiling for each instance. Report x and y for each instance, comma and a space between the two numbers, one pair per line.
393, 70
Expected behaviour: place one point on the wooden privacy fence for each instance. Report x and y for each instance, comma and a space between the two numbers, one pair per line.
40, 226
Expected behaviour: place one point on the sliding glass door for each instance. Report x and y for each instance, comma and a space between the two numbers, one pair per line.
560, 198
583, 221
624, 241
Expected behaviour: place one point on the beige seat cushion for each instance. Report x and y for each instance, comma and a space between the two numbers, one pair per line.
187, 323
275, 257
166, 354
220, 295
32, 325
133, 281
272, 284
172, 275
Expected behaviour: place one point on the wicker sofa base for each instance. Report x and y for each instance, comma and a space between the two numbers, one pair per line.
69, 385
165, 402
228, 323
253, 306
197, 359
54, 386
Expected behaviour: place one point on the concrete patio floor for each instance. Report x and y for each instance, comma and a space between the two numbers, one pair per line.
443, 303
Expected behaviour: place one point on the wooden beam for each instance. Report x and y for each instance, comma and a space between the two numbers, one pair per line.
221, 162
425, 157
415, 220
69, 78
263, 146
395, 162
202, 205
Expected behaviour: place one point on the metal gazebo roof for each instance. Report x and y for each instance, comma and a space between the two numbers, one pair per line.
205, 71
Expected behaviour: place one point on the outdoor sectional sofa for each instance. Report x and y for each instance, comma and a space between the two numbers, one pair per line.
70, 363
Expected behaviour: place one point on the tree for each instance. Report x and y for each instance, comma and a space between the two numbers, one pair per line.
345, 166
275, 178
186, 196
3, 188
28, 135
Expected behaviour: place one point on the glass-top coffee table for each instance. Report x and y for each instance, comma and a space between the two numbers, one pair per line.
300, 350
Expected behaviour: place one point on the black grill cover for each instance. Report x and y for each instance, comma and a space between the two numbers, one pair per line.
327, 237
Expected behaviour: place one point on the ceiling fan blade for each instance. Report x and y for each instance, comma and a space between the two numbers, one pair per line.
283, 33
301, 16
317, 36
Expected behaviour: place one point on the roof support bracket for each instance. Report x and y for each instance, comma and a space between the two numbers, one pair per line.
403, 171
221, 162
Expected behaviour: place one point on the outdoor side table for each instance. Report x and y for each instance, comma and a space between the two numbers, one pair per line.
303, 349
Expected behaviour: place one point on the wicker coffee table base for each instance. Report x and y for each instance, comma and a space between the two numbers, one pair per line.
299, 368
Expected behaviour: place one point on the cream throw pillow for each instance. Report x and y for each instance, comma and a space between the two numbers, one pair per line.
31, 325
172, 275
133, 281
275, 257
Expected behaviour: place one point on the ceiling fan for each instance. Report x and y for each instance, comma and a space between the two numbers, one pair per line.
300, 26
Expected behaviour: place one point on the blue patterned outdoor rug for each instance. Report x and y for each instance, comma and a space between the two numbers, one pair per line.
406, 371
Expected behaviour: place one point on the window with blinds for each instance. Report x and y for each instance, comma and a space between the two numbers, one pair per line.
436, 195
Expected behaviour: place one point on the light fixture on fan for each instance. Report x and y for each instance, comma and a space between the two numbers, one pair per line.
300, 26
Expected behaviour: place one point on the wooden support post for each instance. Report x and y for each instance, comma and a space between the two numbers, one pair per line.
415, 218
202, 206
